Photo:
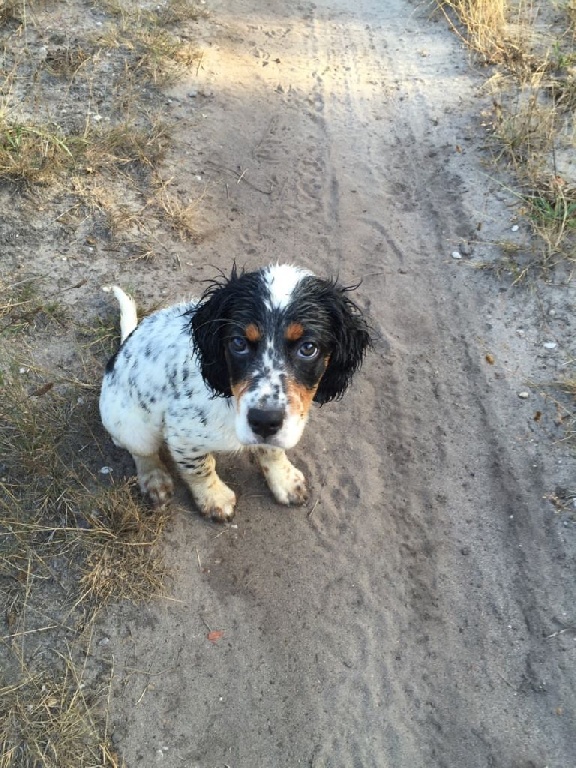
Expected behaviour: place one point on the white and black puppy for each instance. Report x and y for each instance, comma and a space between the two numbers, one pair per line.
238, 368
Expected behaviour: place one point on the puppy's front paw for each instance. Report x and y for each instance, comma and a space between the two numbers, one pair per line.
158, 484
215, 500
154, 479
287, 483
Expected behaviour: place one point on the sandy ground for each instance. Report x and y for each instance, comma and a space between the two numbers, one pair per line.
419, 610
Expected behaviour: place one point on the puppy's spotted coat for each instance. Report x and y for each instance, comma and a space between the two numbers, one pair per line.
238, 368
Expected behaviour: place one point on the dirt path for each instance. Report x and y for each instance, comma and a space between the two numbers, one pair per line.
404, 619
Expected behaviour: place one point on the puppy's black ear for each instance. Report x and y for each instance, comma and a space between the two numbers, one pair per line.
350, 342
208, 321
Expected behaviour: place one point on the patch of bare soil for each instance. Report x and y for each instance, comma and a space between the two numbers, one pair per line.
419, 611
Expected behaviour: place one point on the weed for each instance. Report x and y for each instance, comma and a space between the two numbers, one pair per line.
512, 263
23, 308
100, 337
561, 59
553, 212
47, 718
35, 153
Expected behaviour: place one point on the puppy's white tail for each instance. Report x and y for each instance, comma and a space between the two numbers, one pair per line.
128, 315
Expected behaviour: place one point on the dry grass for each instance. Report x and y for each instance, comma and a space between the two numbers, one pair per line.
39, 155
48, 719
79, 129
482, 22
52, 502
533, 131
533, 88
528, 135
52, 131
35, 153
156, 53
80, 134
71, 540
180, 214
127, 144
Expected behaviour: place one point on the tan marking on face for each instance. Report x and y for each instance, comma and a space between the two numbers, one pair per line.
294, 332
253, 333
238, 390
299, 398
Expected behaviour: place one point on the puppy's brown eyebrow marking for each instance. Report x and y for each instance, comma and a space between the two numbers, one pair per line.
252, 332
294, 332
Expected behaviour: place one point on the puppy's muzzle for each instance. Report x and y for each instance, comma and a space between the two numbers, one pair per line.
265, 422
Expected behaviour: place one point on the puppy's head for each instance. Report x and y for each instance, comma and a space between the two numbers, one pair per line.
276, 340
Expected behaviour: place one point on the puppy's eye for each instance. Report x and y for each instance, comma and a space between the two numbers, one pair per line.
308, 350
238, 345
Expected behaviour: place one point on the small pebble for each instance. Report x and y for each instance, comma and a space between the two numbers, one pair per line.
523, 395
456, 255
549, 345
515, 228
105, 470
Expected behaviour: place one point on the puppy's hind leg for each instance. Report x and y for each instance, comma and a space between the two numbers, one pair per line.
154, 479
213, 497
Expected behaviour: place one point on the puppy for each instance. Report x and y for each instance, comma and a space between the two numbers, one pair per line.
238, 368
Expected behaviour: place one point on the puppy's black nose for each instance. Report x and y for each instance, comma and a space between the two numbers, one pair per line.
265, 422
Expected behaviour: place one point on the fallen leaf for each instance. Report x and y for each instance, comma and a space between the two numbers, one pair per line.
489, 358
43, 389
537, 415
